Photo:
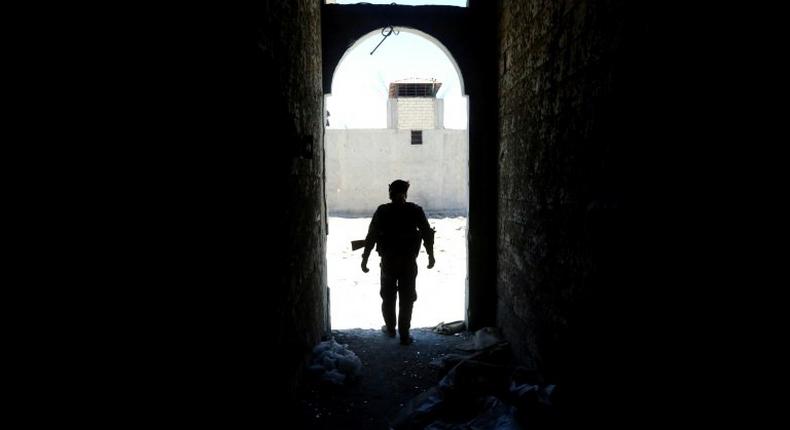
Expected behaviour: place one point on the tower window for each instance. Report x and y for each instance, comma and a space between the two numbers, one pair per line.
416, 137
414, 89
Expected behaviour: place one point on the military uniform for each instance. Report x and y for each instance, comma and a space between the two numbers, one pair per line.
397, 230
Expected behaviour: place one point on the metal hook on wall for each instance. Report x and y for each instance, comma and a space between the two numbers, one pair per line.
386, 34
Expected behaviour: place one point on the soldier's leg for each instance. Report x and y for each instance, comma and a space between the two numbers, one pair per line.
388, 295
407, 295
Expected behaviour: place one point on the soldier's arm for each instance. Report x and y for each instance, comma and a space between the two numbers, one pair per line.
373, 234
370, 241
427, 236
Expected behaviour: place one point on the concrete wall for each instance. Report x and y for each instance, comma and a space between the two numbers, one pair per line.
360, 165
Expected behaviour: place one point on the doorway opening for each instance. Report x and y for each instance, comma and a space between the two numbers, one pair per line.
399, 113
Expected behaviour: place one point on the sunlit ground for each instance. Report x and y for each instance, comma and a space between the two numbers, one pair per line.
354, 295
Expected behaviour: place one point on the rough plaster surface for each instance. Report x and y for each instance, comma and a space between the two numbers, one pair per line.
559, 64
291, 44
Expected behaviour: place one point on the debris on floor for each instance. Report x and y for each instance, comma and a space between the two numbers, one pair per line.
483, 338
482, 390
449, 328
334, 363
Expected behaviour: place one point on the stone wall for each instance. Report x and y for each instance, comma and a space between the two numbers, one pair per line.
577, 105
291, 187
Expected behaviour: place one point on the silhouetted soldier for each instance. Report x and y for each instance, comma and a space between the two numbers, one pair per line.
396, 229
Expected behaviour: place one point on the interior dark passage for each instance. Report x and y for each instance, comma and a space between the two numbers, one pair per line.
564, 96
570, 199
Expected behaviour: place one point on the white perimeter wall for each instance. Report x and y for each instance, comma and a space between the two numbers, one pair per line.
360, 164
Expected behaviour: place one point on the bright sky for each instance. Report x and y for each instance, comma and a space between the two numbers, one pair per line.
361, 82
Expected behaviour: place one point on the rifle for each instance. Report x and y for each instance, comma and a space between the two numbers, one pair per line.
356, 244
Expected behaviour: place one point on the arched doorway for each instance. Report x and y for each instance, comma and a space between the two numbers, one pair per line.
370, 141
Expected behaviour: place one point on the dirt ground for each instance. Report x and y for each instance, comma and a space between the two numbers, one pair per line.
391, 375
